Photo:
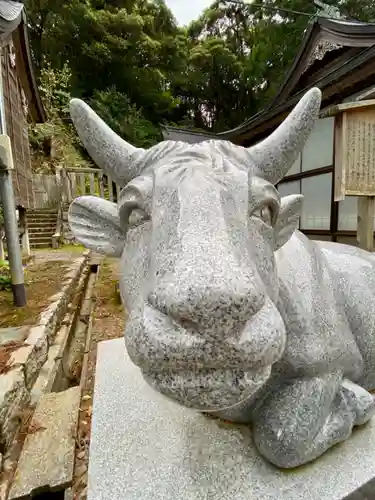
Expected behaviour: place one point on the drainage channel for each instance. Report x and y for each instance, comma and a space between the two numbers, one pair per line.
73, 341
49, 495
78, 342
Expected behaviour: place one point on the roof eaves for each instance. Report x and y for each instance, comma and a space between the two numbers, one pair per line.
30, 68
347, 27
269, 114
349, 33
180, 130
308, 42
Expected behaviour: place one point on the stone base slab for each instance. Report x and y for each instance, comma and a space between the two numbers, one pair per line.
145, 447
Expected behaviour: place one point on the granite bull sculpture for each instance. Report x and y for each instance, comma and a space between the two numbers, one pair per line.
233, 311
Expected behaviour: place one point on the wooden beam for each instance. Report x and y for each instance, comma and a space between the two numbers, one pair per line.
365, 231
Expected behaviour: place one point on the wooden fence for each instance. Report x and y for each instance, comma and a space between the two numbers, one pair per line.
52, 190
46, 191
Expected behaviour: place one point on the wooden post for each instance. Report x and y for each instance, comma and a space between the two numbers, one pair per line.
2, 249
101, 185
92, 184
110, 188
73, 183
67, 185
25, 232
365, 229
60, 183
118, 190
82, 183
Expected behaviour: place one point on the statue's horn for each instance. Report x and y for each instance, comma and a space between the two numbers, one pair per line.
274, 156
110, 153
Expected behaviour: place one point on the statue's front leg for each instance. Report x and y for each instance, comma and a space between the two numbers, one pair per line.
307, 416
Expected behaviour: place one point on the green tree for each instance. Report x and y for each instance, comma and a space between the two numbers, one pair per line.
123, 56
239, 54
223, 82
134, 45
124, 118
138, 69
55, 142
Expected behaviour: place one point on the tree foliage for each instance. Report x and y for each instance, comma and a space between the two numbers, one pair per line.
55, 142
124, 118
138, 69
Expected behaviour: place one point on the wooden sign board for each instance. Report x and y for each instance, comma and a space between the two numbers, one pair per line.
354, 149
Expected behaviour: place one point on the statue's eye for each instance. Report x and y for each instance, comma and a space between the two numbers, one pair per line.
137, 217
266, 213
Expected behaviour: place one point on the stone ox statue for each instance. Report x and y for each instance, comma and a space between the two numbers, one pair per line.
232, 311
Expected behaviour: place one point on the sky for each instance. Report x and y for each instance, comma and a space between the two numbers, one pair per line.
187, 10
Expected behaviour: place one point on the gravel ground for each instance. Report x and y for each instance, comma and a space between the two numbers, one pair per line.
67, 253
44, 275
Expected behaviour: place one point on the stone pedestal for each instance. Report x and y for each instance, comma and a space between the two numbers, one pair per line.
144, 447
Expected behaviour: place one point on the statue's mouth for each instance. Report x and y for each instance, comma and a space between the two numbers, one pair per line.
212, 390
200, 372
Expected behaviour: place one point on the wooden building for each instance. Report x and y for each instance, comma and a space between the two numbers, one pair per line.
338, 56
20, 104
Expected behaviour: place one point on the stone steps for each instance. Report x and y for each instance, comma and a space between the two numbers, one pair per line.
43, 239
46, 223
41, 220
43, 210
37, 246
41, 226
46, 463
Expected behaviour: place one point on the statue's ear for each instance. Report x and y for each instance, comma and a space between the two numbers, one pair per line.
96, 224
287, 221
